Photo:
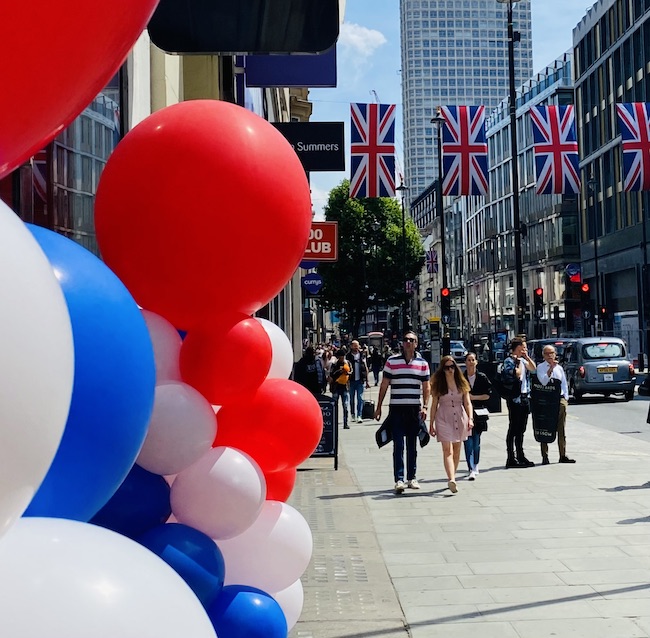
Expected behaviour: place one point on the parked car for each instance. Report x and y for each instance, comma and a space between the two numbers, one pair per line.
599, 365
458, 351
536, 346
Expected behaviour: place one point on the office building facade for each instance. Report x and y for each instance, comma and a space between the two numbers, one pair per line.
612, 61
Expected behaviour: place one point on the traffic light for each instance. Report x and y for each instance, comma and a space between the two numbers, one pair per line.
602, 312
585, 295
539, 302
445, 304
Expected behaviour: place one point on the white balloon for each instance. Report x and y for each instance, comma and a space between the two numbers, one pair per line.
36, 366
272, 553
221, 494
64, 578
290, 600
166, 346
282, 351
181, 430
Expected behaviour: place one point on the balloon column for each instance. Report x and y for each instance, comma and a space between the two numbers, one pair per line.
197, 184
202, 216
129, 434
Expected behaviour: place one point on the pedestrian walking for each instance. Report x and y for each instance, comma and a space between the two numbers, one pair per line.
551, 371
516, 370
407, 375
328, 361
376, 362
480, 389
309, 371
451, 417
358, 380
339, 378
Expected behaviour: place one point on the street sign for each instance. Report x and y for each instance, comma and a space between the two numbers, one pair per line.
446, 318
586, 314
319, 145
539, 313
323, 242
312, 283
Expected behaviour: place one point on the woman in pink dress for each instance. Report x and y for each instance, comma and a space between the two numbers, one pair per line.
451, 414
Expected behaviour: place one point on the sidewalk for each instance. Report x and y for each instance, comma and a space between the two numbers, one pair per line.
557, 550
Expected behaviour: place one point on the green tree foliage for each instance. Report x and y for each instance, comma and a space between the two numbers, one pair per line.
370, 268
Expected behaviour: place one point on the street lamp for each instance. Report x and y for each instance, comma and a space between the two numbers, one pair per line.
402, 189
515, 36
593, 218
439, 120
375, 229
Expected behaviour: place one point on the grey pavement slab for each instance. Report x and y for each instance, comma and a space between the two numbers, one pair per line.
557, 550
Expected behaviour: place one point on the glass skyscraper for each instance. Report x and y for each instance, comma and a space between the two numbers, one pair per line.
454, 52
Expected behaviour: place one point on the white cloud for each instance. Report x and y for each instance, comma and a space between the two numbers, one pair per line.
360, 41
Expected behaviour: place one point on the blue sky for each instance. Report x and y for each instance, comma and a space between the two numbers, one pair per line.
369, 64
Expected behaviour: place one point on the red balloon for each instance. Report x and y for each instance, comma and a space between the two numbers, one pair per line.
203, 207
58, 55
279, 485
280, 426
226, 360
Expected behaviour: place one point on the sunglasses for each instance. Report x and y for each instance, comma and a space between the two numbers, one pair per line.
409, 340
449, 367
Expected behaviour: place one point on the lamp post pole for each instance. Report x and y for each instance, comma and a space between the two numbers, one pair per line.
439, 120
375, 229
516, 224
402, 189
593, 218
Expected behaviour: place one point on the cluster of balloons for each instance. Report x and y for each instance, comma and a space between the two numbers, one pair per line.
228, 533
150, 470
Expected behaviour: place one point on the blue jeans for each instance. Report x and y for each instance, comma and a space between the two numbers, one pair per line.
473, 450
340, 390
356, 397
405, 426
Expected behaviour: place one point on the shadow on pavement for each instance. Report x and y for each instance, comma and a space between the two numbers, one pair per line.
623, 488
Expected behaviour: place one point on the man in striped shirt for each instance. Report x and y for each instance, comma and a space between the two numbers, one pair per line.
407, 374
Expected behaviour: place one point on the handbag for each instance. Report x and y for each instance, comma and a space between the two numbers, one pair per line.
481, 417
384, 434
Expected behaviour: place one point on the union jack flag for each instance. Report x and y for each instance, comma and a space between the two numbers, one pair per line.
556, 149
634, 120
372, 150
464, 148
432, 261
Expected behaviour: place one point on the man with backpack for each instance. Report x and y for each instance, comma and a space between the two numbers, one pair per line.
513, 383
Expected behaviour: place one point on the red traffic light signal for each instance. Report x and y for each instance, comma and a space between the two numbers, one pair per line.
539, 292
585, 288
444, 292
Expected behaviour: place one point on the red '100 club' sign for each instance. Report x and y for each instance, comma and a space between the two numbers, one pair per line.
323, 242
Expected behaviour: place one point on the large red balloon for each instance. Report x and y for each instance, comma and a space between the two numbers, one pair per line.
280, 426
57, 56
203, 207
227, 359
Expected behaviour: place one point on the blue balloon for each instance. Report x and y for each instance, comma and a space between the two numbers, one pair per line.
140, 503
246, 612
114, 383
194, 556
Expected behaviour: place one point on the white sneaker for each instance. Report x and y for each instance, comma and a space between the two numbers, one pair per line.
472, 476
359, 419
400, 486
413, 484
453, 488
476, 471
